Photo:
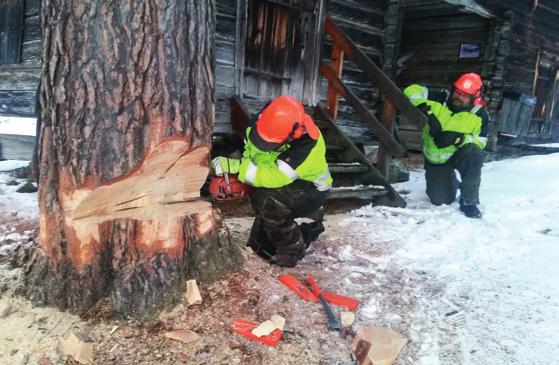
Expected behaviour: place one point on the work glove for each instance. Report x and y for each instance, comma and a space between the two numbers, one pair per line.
222, 165
434, 125
448, 138
424, 108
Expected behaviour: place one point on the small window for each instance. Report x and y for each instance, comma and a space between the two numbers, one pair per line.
469, 50
11, 31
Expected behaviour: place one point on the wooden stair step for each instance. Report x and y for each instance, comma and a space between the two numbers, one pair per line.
335, 147
348, 168
359, 191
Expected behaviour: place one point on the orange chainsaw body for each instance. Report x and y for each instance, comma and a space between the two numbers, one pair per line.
228, 187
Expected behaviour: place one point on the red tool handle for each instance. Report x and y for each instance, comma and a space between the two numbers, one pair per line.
296, 286
332, 297
314, 285
245, 328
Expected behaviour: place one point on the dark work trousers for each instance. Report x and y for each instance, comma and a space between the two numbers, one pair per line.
275, 235
442, 184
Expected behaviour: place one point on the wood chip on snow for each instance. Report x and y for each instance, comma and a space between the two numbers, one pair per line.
279, 321
78, 347
265, 328
183, 335
193, 296
377, 346
347, 318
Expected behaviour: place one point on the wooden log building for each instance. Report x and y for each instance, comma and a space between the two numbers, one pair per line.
264, 48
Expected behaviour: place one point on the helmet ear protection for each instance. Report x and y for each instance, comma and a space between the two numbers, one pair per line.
297, 131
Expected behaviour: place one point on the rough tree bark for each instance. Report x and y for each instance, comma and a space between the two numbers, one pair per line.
127, 110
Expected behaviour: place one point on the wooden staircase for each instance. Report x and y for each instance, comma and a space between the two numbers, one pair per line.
354, 174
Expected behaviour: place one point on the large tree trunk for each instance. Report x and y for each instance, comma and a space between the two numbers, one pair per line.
127, 111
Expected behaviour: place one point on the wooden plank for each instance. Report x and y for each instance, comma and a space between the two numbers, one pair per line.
384, 155
19, 78
241, 32
240, 117
384, 136
383, 82
377, 179
17, 103
332, 95
362, 192
347, 168
11, 31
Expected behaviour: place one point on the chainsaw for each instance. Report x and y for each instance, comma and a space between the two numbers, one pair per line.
228, 187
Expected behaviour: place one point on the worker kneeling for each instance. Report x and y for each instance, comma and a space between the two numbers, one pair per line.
284, 160
453, 139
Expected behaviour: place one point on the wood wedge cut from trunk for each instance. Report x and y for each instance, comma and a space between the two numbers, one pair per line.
166, 185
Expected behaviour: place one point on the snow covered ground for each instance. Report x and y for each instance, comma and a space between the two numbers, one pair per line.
21, 126
490, 285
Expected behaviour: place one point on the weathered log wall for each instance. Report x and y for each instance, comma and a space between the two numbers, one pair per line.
18, 82
533, 42
225, 35
515, 39
432, 34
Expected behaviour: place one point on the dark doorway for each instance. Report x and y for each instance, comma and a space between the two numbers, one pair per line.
278, 49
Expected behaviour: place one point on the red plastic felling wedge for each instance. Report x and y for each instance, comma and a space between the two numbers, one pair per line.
244, 327
332, 297
298, 287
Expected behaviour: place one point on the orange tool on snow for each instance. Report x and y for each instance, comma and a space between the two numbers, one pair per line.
291, 282
332, 297
244, 327
300, 289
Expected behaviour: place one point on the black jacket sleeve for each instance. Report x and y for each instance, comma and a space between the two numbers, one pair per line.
298, 151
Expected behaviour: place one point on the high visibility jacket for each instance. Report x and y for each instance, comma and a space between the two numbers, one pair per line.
473, 123
302, 158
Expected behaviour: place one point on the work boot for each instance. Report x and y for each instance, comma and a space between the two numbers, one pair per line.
311, 231
470, 210
288, 256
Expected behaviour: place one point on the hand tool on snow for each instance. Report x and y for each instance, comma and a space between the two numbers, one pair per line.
292, 283
333, 322
332, 297
301, 290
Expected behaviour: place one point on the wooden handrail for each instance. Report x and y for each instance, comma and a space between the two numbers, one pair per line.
332, 95
394, 198
386, 138
375, 74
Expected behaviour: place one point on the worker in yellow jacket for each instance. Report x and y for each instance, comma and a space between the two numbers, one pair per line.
284, 160
453, 139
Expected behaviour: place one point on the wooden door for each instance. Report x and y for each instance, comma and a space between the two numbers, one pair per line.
278, 48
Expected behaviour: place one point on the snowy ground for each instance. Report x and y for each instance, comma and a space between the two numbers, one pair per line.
22, 126
490, 285
463, 291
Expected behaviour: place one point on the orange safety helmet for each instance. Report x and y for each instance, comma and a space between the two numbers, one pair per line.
470, 84
283, 119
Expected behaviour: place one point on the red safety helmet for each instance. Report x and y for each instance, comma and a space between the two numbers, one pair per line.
283, 119
470, 84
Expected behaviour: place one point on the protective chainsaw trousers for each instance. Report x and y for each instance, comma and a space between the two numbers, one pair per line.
275, 235
441, 180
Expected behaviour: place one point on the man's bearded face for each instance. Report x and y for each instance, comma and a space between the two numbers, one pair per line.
459, 101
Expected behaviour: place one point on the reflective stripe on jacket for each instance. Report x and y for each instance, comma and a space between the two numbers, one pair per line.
268, 170
467, 123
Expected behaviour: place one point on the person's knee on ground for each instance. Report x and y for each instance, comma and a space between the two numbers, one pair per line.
311, 231
441, 183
